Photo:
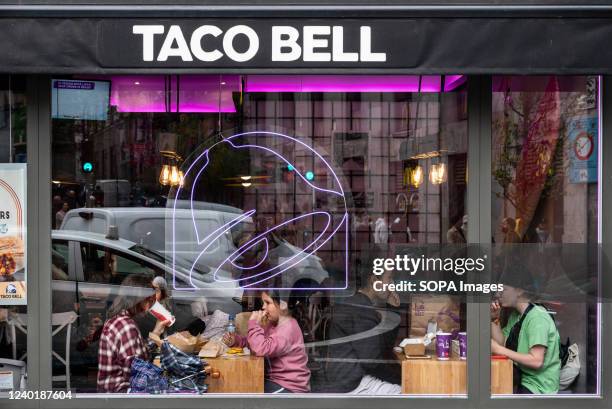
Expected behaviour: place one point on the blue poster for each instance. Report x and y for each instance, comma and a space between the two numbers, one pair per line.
582, 137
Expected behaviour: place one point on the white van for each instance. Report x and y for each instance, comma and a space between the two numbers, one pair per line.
116, 191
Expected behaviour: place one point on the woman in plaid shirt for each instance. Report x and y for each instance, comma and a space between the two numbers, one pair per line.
121, 340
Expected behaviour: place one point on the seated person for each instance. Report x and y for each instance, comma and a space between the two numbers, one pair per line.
275, 335
352, 366
120, 340
530, 337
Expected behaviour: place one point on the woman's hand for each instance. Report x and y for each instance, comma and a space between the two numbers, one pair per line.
394, 299
495, 310
496, 348
257, 316
160, 327
229, 339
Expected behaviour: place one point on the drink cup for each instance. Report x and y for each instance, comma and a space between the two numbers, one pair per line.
462, 345
443, 345
161, 313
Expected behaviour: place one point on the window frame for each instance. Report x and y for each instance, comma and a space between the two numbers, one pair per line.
479, 211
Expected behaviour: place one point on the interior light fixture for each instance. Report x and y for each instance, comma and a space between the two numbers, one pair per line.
175, 179
416, 176
170, 174
437, 173
164, 175
428, 155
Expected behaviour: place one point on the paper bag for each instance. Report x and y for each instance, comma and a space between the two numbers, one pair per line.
212, 349
182, 340
443, 309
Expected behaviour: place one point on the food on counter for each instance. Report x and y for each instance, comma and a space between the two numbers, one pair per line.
212, 349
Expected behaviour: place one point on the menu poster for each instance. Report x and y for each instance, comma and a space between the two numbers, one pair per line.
13, 234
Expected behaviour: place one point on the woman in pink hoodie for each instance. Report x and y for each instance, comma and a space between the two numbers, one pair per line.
275, 335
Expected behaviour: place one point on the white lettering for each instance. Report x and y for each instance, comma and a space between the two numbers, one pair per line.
196, 43
377, 287
416, 263
285, 37
228, 43
338, 46
311, 43
365, 46
148, 32
175, 35
315, 44
377, 266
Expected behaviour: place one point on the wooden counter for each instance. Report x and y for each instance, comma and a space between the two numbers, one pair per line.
434, 377
241, 374
237, 374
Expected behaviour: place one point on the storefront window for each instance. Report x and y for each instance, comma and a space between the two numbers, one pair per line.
545, 230
13, 311
248, 192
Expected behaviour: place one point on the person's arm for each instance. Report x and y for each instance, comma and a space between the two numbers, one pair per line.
534, 359
267, 345
239, 341
536, 332
152, 346
130, 346
496, 331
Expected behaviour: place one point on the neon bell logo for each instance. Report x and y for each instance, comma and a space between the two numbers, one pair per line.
257, 262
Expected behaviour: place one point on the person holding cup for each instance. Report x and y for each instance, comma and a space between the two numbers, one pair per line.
274, 334
530, 338
121, 340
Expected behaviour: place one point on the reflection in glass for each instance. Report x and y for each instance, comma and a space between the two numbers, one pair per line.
544, 208
227, 184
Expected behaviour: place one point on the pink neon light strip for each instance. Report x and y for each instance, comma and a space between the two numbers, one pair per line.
214, 93
351, 83
196, 93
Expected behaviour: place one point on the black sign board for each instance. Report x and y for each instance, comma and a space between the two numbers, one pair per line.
399, 45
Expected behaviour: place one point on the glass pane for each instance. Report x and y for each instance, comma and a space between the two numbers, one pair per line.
545, 224
251, 192
13, 315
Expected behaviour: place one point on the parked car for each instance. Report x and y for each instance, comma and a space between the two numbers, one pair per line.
80, 268
87, 270
150, 228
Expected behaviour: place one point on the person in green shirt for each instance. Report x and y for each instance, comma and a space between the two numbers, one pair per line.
530, 339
